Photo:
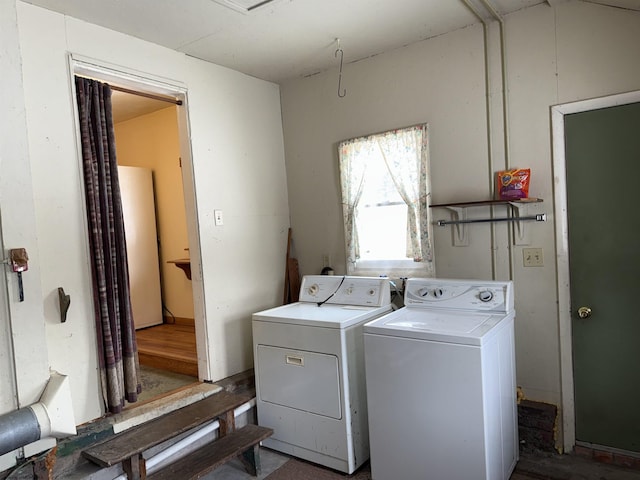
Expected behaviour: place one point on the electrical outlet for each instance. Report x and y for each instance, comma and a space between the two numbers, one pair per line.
326, 260
532, 257
217, 216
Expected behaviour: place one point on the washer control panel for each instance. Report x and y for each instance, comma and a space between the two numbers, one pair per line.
476, 295
345, 290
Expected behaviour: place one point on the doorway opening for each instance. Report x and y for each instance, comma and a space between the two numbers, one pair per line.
154, 155
148, 153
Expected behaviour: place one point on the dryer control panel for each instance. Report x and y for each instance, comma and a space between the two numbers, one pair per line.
472, 295
345, 290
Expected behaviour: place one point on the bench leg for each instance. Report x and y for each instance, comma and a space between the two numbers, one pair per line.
135, 467
251, 460
227, 423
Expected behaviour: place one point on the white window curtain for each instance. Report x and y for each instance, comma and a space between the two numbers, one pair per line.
353, 166
405, 154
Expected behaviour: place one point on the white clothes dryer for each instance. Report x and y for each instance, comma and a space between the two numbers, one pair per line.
309, 368
441, 386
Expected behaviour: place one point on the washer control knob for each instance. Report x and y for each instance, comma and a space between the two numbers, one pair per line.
313, 289
486, 296
423, 292
348, 290
438, 292
372, 292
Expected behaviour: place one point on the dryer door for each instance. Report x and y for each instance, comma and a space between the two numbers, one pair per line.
307, 381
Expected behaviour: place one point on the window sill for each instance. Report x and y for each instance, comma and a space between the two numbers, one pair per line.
392, 269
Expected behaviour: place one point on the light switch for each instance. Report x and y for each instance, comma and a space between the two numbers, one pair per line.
532, 257
217, 215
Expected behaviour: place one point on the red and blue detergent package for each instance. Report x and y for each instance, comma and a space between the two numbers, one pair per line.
513, 184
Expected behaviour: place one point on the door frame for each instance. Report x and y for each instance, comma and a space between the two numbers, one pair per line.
562, 248
148, 83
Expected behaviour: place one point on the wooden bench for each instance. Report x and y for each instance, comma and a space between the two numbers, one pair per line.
127, 447
242, 443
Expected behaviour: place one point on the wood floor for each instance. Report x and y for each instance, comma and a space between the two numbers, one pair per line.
169, 347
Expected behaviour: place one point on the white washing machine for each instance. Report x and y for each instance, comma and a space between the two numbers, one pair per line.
309, 368
441, 386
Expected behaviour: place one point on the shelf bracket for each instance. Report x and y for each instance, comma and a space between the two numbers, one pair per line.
183, 264
520, 233
459, 232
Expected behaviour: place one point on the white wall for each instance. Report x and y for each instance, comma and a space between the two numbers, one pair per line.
18, 228
238, 161
553, 55
23, 360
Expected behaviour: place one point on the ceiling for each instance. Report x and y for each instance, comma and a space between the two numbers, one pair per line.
126, 106
285, 39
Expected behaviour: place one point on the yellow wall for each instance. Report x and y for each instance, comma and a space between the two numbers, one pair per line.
152, 141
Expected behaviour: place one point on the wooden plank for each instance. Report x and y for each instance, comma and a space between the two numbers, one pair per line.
214, 454
135, 468
227, 423
138, 439
294, 280
251, 460
287, 289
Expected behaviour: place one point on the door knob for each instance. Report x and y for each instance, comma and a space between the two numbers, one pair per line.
584, 312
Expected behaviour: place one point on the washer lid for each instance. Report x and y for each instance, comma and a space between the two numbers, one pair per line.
327, 315
450, 327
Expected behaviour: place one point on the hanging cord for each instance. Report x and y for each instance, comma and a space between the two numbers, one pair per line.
334, 292
339, 50
164, 307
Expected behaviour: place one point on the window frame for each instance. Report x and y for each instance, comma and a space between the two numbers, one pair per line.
393, 268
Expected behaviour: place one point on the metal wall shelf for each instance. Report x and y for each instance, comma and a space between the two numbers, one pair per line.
515, 202
460, 220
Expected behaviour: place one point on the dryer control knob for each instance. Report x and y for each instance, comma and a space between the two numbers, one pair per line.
486, 296
438, 292
313, 289
423, 292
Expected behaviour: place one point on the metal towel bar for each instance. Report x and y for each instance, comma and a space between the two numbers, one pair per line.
541, 217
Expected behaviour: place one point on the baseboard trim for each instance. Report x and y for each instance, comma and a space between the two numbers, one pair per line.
179, 321
604, 454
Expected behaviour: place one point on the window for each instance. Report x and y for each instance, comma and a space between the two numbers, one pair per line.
385, 202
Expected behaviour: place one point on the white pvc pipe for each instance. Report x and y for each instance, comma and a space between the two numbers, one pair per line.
490, 153
505, 112
153, 463
505, 105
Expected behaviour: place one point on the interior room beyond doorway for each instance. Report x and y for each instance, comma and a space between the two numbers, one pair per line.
147, 138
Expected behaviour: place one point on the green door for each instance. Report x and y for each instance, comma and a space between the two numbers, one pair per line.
603, 189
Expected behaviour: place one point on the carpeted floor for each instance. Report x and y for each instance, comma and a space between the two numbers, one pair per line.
157, 382
296, 469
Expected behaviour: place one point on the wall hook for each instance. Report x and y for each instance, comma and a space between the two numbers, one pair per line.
339, 50
65, 301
